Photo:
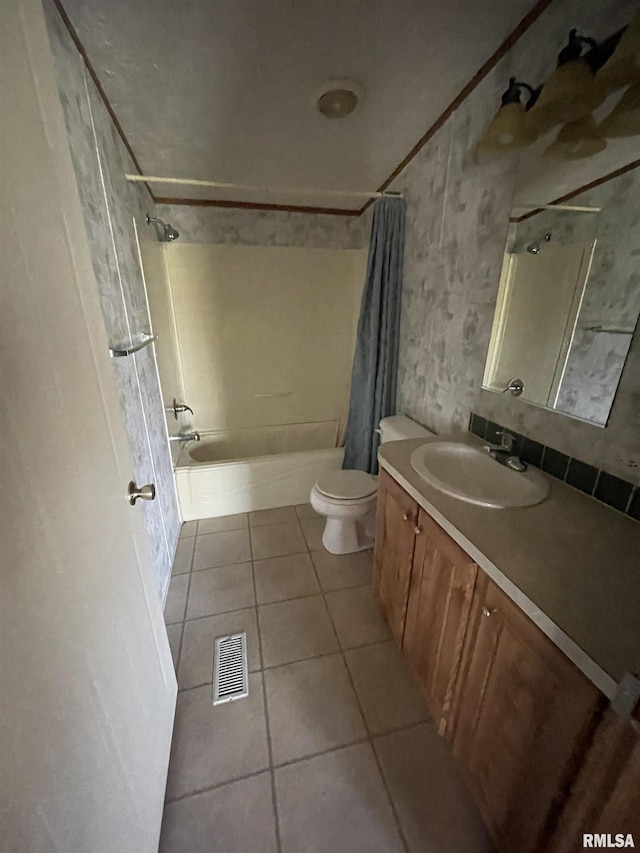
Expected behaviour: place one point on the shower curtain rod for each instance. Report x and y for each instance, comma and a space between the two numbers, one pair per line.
575, 207
191, 182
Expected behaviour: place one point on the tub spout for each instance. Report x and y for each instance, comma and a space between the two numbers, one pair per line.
185, 436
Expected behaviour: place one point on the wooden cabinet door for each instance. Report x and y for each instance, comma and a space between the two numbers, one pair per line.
396, 520
440, 594
605, 797
523, 720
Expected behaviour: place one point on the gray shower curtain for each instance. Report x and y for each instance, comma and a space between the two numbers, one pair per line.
375, 363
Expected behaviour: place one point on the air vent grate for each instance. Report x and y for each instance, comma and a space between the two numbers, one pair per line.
230, 672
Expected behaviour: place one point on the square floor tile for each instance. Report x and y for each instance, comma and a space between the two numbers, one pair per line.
183, 556
305, 511
293, 630
311, 707
189, 528
338, 571
224, 522
176, 598
221, 549
196, 657
356, 617
235, 818
335, 803
279, 515
388, 694
215, 744
313, 528
218, 590
174, 633
279, 578
435, 809
277, 540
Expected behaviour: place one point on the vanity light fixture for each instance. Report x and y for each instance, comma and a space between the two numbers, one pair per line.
624, 120
577, 140
573, 91
623, 65
509, 127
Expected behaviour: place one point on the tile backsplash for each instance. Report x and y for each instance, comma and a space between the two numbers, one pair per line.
601, 485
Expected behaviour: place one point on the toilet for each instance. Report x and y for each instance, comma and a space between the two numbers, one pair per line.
348, 498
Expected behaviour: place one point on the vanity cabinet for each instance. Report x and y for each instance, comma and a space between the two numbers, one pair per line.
524, 716
443, 578
606, 795
520, 715
396, 525
424, 584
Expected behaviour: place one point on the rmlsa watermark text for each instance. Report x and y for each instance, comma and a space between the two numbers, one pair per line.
602, 839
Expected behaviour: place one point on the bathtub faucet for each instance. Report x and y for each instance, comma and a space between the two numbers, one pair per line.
185, 436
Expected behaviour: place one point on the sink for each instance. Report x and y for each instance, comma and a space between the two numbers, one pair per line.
470, 474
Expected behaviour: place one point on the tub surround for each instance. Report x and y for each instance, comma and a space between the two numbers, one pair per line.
570, 563
605, 487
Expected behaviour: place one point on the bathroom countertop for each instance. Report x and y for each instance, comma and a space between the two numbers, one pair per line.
571, 563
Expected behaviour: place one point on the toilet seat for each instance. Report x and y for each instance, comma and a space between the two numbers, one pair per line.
349, 486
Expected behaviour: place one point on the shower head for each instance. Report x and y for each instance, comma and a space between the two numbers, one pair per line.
166, 233
534, 248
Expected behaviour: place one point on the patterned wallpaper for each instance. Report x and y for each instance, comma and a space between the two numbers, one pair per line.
265, 227
457, 222
109, 205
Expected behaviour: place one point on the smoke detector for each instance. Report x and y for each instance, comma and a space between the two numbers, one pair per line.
338, 98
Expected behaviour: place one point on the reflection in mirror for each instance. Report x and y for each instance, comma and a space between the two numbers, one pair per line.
569, 299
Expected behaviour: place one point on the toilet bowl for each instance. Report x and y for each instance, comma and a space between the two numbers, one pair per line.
348, 498
348, 501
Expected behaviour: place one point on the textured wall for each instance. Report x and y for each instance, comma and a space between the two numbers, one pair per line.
265, 227
109, 206
457, 222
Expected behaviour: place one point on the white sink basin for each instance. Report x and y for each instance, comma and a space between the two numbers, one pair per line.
470, 474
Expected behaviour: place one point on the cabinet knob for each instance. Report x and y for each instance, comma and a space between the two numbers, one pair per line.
417, 530
405, 517
487, 612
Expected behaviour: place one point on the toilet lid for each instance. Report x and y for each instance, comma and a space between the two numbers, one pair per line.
347, 485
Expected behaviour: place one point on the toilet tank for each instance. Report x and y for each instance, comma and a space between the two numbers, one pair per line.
397, 427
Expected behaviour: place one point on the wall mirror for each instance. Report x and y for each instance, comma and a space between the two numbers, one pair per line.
569, 291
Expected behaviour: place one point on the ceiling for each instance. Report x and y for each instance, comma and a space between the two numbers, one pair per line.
223, 90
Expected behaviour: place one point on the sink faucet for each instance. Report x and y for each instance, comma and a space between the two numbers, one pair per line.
503, 452
185, 436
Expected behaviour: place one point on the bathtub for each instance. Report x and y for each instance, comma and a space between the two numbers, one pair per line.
258, 468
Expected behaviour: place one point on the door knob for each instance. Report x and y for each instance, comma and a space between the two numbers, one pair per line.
145, 493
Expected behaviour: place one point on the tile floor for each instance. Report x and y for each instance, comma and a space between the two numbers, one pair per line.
332, 752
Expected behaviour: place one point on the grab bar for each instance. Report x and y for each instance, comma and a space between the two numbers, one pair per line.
276, 394
600, 330
121, 353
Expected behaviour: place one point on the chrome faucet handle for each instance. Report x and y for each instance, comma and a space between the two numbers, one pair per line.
177, 408
507, 441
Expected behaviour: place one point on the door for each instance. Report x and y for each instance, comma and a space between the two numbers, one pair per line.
525, 716
88, 692
396, 520
442, 583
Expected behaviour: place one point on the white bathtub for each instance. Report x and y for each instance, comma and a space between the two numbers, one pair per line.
258, 468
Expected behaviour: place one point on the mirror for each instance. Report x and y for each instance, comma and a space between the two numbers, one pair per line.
569, 291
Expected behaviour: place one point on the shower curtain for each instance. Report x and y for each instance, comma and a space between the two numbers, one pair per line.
375, 362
